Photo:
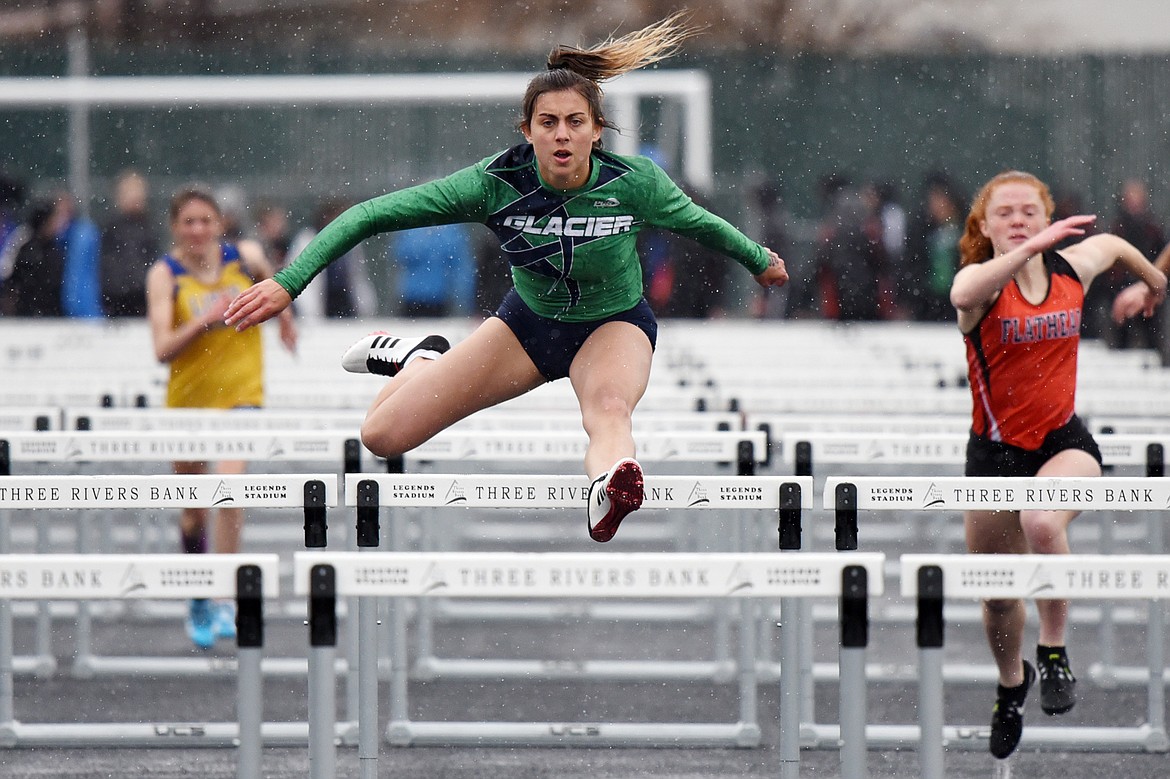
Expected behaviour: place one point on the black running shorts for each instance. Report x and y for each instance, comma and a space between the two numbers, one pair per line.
552, 344
994, 458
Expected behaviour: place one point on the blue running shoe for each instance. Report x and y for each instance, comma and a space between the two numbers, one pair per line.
223, 624
199, 621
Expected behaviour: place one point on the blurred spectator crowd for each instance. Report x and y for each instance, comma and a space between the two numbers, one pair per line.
875, 250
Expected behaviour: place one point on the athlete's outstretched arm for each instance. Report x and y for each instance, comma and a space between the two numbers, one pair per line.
1141, 298
258, 303
775, 275
977, 284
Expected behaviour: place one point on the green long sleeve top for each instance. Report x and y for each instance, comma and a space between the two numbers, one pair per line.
573, 253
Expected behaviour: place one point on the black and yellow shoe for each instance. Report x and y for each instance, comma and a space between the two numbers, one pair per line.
1057, 683
1007, 718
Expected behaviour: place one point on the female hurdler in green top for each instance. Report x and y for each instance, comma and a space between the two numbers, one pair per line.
567, 215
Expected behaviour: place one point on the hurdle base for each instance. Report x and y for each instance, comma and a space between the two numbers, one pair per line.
1111, 677
91, 666
160, 735
406, 733
1142, 738
39, 666
656, 611
956, 673
431, 668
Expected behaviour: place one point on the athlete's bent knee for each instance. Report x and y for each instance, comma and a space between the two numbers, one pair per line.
1000, 607
381, 442
1044, 531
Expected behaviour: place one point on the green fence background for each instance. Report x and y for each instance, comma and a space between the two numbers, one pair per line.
1084, 123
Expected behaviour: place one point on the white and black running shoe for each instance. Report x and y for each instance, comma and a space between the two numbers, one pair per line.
386, 354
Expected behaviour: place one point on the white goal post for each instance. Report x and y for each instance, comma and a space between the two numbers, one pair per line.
79, 94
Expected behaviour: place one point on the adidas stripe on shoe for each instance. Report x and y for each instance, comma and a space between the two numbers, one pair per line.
386, 354
612, 496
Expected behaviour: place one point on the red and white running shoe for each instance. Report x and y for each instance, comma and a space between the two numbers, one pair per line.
612, 496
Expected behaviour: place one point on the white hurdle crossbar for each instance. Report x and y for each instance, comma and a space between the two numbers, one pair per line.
848, 495
248, 578
163, 446
324, 576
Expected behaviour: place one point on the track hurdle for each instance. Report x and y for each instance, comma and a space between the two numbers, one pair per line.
312, 493
249, 578
931, 579
713, 448
154, 446
191, 420
110, 420
803, 450
787, 497
24, 418
739, 493
69, 448
848, 495
324, 576
745, 450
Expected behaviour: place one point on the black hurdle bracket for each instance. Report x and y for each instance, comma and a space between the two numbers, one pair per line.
352, 456
789, 516
323, 606
766, 429
745, 458
854, 607
367, 514
316, 524
249, 607
1155, 461
803, 465
930, 607
724, 427
845, 528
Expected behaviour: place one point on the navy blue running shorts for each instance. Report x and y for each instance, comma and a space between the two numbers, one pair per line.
552, 344
994, 458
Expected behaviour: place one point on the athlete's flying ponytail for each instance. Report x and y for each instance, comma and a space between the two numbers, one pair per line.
583, 70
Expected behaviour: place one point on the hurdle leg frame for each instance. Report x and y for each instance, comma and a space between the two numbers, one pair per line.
245, 734
322, 682
368, 539
250, 685
931, 696
853, 710
7, 664
402, 731
789, 531
88, 665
